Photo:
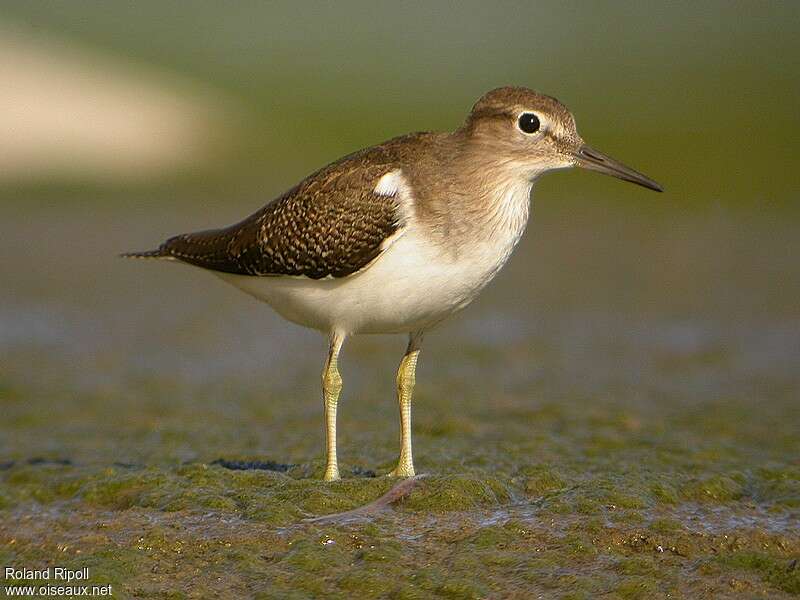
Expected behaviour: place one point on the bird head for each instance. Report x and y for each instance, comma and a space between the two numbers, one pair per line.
531, 133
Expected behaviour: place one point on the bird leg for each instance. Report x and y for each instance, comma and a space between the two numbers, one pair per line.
405, 388
331, 386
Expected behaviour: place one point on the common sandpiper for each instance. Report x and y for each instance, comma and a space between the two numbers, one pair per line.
397, 237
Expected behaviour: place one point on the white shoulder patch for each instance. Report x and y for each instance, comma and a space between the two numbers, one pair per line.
391, 183
395, 185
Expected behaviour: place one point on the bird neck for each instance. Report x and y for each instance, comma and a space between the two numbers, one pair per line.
499, 202
466, 195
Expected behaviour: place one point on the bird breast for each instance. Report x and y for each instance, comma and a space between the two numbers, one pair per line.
504, 219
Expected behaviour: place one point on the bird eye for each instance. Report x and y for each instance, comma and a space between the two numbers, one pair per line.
528, 123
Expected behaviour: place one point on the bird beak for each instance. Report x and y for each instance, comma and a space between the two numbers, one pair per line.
593, 160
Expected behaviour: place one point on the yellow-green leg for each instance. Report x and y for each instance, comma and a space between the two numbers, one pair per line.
405, 388
331, 386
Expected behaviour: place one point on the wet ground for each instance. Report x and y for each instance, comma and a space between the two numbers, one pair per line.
615, 417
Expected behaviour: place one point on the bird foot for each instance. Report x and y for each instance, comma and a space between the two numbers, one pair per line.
332, 474
402, 470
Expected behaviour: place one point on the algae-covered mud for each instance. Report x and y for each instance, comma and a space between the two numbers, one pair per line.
617, 417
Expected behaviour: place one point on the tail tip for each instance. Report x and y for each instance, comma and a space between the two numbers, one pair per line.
145, 255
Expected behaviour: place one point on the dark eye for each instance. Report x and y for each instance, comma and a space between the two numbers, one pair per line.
528, 123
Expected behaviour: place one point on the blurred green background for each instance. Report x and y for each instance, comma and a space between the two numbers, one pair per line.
702, 95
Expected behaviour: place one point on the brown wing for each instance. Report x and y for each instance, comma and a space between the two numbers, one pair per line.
332, 224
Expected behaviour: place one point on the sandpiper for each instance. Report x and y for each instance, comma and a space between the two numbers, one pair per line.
396, 237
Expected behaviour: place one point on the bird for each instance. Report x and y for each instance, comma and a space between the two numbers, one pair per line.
396, 237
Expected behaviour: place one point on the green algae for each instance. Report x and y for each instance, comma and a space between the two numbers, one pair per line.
716, 488
781, 572
665, 492
266, 496
635, 588
540, 480
541, 525
456, 493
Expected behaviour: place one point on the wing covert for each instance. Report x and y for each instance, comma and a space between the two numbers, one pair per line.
332, 224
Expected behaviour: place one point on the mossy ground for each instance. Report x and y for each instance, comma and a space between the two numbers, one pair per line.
564, 499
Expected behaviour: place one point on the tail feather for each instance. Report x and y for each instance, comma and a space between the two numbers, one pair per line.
208, 249
148, 254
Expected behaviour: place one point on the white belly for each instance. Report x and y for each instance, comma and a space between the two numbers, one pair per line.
412, 286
